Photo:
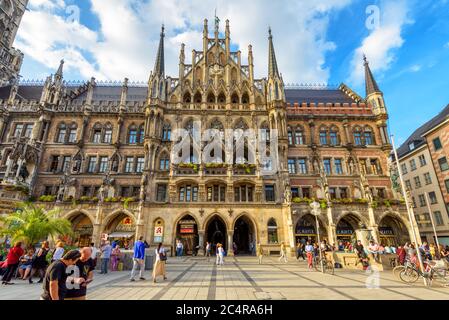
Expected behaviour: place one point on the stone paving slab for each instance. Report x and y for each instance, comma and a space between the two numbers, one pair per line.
242, 278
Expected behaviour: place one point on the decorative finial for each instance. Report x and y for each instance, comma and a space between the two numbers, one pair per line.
269, 31
365, 59
163, 30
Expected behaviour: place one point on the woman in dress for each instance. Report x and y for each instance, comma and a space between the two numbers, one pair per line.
159, 265
115, 257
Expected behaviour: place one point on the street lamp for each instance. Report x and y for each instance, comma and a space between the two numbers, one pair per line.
316, 211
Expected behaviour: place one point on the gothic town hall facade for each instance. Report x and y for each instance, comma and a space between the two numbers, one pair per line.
101, 153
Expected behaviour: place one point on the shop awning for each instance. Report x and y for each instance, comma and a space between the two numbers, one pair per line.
121, 234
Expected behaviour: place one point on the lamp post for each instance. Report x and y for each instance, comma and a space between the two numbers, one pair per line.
316, 211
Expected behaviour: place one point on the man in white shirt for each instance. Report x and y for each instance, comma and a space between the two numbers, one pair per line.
94, 253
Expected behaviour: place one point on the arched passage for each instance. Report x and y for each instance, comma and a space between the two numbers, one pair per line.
121, 229
393, 231
82, 230
351, 228
187, 233
216, 232
306, 229
244, 236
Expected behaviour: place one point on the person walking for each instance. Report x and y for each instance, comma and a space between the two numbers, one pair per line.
12, 262
220, 254
208, 251
40, 263
300, 251
259, 252
138, 259
58, 252
106, 251
115, 257
80, 279
283, 253
179, 248
310, 254
159, 265
54, 286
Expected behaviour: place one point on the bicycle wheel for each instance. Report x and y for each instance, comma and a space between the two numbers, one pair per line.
441, 277
330, 267
409, 275
317, 264
398, 270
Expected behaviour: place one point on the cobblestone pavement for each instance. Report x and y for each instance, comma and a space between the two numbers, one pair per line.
242, 278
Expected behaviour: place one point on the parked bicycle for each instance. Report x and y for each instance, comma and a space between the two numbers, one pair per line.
434, 271
328, 265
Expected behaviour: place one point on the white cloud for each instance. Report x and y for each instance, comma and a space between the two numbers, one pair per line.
380, 45
415, 68
126, 44
446, 45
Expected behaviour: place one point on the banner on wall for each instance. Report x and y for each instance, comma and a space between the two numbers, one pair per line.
158, 234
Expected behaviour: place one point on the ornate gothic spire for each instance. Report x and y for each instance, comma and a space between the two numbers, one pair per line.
159, 67
370, 82
273, 70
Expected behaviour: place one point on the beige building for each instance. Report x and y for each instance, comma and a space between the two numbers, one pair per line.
102, 153
424, 166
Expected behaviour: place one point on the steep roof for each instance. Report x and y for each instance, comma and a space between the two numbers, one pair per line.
317, 96
416, 137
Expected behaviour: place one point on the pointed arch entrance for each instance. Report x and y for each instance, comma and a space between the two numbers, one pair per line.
187, 232
82, 230
393, 232
244, 236
216, 232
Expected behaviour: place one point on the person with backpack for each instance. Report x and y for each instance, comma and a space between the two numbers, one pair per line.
12, 262
159, 265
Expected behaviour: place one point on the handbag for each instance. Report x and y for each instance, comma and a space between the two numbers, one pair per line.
162, 256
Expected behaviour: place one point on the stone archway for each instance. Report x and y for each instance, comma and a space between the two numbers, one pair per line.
187, 232
244, 235
392, 231
216, 232
351, 228
305, 229
83, 228
121, 228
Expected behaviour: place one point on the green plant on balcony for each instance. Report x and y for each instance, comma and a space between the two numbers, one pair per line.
85, 199
94, 199
302, 200
361, 201
374, 204
215, 165
47, 198
247, 167
127, 201
192, 166
387, 203
20, 188
323, 204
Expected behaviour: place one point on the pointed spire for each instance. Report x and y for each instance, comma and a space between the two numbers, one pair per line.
370, 82
59, 73
159, 67
272, 63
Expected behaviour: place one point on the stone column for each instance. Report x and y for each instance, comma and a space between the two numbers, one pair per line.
230, 241
201, 242
140, 221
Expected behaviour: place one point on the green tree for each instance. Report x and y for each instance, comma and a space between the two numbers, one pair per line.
31, 223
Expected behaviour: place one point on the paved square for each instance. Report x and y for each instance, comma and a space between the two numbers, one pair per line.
242, 278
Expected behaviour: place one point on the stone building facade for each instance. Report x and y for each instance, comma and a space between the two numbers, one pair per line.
102, 153
11, 12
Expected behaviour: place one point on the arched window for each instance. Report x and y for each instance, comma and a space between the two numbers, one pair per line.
299, 136
141, 134
323, 136
187, 98
290, 136
132, 135
72, 133
357, 136
368, 136
245, 98
272, 231
333, 136
107, 138
197, 98
164, 163
211, 98
188, 193
221, 98
166, 132
235, 98
96, 133
62, 131
265, 131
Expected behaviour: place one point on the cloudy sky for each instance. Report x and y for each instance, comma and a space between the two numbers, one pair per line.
323, 41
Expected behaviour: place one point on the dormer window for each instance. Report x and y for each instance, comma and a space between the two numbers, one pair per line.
411, 146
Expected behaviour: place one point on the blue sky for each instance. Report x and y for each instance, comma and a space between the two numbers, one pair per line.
406, 42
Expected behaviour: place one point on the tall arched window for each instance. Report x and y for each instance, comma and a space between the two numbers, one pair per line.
62, 131
72, 133
221, 98
107, 138
166, 132
235, 98
333, 136
368, 136
299, 136
245, 98
164, 163
323, 136
141, 134
197, 98
96, 133
211, 98
272, 231
357, 136
132, 135
265, 132
187, 98
290, 136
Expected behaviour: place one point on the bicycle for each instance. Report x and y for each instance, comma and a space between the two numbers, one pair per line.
328, 265
433, 271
